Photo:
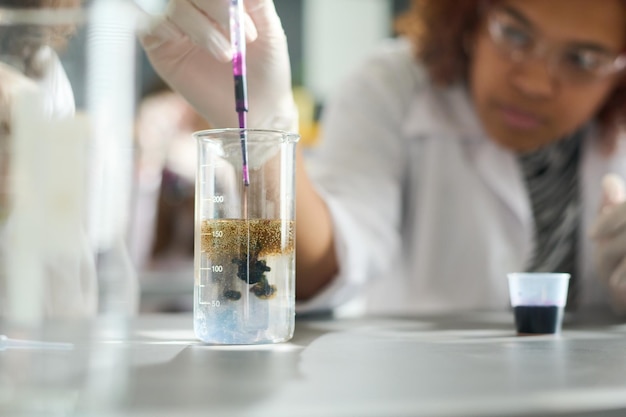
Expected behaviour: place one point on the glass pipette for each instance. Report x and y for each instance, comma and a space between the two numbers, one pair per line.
238, 42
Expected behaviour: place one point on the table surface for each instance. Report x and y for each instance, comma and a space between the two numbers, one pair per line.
455, 365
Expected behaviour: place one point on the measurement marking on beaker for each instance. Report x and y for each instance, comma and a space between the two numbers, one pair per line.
210, 303
213, 268
217, 233
216, 199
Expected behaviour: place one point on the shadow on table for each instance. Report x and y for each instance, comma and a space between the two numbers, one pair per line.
221, 379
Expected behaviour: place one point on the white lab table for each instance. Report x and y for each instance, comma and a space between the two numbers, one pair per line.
456, 365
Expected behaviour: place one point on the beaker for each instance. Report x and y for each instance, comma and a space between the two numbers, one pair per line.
67, 95
244, 258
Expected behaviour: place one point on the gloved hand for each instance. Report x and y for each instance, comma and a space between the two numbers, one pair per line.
190, 50
609, 233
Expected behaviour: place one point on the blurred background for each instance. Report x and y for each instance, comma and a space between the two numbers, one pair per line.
327, 38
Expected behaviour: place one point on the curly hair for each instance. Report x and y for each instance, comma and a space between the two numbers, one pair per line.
438, 30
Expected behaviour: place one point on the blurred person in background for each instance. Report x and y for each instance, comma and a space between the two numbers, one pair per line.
28, 62
166, 158
162, 233
476, 144
30, 51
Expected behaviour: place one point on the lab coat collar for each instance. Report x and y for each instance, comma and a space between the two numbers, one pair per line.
444, 112
449, 114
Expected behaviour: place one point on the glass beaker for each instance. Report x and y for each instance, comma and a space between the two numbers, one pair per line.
244, 258
67, 95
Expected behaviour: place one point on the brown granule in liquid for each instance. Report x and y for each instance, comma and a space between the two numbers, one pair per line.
229, 237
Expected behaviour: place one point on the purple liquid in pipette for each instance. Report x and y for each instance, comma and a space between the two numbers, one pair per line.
241, 106
239, 74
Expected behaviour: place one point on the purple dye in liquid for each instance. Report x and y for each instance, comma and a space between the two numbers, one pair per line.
538, 319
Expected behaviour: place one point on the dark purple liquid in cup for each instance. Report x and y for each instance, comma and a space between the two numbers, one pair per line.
538, 319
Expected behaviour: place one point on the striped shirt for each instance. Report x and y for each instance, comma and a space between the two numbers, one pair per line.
551, 176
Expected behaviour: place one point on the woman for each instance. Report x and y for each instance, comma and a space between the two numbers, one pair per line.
474, 146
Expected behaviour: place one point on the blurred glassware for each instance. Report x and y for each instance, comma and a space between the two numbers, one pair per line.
67, 104
67, 98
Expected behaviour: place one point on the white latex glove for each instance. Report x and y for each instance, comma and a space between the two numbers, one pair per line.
190, 50
609, 233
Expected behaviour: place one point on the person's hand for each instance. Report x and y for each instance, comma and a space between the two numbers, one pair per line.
190, 50
609, 233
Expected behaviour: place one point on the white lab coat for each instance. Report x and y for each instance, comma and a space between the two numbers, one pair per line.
429, 213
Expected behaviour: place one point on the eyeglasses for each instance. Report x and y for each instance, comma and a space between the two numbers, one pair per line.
571, 63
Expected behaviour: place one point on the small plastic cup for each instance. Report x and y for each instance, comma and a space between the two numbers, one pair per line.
538, 300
